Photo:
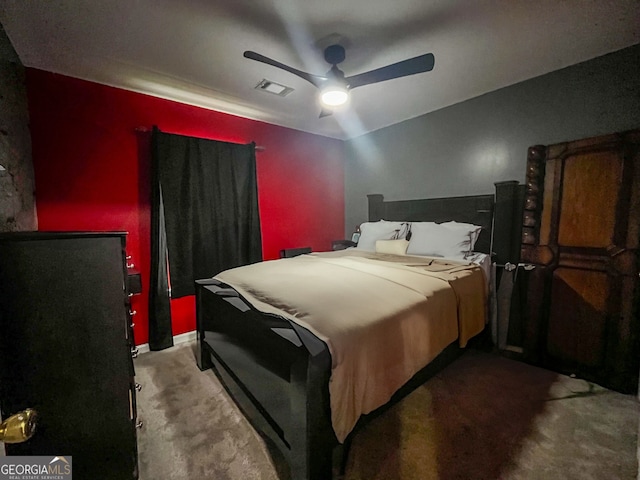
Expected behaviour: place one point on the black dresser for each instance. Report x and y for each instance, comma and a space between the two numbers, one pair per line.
66, 348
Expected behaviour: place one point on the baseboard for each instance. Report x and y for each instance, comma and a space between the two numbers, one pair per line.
177, 340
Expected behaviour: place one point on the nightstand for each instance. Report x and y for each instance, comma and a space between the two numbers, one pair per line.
294, 252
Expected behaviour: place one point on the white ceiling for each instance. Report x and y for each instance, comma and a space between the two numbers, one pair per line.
191, 51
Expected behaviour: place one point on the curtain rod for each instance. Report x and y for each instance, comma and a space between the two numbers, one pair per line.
259, 148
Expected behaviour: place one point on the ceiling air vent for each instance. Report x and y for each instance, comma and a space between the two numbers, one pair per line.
273, 87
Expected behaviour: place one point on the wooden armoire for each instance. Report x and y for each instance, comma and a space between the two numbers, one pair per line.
581, 231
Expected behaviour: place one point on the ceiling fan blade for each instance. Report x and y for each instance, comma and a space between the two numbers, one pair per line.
316, 80
422, 63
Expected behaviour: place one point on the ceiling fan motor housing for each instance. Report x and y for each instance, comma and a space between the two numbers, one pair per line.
334, 54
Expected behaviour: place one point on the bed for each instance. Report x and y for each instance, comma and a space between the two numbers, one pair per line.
307, 387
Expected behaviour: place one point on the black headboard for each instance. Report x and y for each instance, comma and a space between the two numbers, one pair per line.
498, 214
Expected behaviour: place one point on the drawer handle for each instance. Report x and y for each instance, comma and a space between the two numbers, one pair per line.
132, 325
134, 352
138, 387
139, 424
132, 312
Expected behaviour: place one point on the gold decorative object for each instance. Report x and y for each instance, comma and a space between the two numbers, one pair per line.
19, 428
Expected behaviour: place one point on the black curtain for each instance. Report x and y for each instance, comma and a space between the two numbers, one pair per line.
204, 218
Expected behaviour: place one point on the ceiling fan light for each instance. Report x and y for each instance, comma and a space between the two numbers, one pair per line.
334, 96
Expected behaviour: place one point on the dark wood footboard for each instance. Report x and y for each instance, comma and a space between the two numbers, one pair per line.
276, 371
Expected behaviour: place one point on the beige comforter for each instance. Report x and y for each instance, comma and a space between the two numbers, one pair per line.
383, 317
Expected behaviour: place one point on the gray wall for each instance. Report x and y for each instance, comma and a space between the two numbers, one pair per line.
17, 202
465, 148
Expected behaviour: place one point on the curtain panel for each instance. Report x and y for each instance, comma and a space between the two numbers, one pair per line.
205, 218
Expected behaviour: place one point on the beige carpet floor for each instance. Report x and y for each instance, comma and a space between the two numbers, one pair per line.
483, 417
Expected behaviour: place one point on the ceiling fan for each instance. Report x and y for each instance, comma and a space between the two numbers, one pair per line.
334, 86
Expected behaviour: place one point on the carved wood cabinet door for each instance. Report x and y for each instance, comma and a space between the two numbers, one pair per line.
581, 230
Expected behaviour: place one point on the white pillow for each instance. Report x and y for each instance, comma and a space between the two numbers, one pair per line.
437, 240
395, 247
472, 230
372, 231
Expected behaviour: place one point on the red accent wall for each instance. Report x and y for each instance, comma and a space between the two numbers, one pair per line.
92, 172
